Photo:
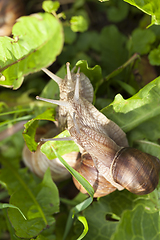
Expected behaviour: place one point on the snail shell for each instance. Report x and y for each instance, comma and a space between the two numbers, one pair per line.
38, 163
137, 171
85, 166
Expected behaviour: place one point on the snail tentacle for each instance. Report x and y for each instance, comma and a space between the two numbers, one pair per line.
57, 79
57, 102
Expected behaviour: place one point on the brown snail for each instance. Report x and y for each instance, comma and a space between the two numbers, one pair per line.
111, 159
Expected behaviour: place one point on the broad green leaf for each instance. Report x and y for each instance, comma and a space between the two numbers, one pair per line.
104, 215
30, 128
37, 202
154, 56
141, 41
138, 224
78, 24
34, 38
149, 7
139, 108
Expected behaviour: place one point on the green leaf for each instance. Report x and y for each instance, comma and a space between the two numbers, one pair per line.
69, 35
34, 38
37, 202
108, 211
50, 6
62, 147
94, 74
149, 147
149, 7
139, 108
154, 56
141, 41
147, 131
30, 128
6, 205
128, 88
138, 224
78, 24
113, 50
117, 11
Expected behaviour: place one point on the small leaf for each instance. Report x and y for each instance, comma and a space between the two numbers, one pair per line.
154, 56
94, 74
144, 38
117, 11
78, 24
50, 6
30, 128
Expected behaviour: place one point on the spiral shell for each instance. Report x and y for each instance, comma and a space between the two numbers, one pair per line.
137, 171
38, 163
85, 166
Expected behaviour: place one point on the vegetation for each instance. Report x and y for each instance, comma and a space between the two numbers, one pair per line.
116, 44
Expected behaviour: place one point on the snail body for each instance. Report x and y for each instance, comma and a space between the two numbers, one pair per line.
111, 162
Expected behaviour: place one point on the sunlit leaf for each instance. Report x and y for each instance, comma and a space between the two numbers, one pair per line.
34, 38
132, 112
150, 7
78, 24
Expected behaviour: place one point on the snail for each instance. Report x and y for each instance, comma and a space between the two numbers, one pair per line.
106, 143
